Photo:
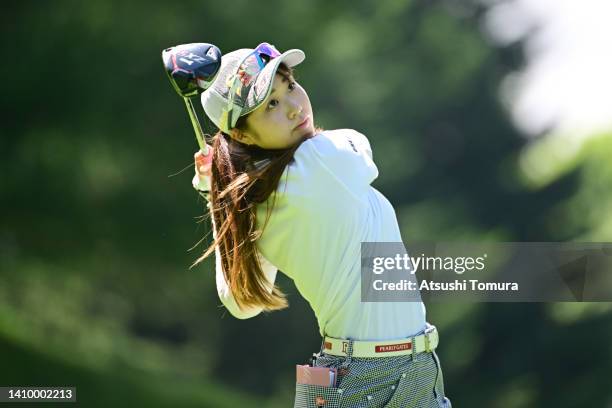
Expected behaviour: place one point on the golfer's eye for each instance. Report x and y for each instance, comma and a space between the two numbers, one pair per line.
272, 103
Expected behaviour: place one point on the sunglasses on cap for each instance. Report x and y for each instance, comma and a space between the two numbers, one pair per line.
240, 83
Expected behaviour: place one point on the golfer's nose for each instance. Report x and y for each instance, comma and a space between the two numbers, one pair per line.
294, 110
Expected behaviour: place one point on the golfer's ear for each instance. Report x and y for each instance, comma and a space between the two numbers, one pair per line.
242, 136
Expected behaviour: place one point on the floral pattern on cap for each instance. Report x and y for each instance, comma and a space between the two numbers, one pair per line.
240, 83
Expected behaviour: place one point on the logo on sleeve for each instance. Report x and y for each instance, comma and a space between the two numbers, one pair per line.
352, 145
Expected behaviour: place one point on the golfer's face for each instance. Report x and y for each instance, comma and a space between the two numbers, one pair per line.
284, 117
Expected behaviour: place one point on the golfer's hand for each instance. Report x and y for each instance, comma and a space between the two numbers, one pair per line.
203, 164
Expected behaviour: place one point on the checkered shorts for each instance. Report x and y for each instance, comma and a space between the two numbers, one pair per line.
400, 381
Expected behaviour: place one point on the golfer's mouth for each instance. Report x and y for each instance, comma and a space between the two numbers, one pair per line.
303, 124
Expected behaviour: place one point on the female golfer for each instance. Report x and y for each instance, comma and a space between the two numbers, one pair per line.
284, 195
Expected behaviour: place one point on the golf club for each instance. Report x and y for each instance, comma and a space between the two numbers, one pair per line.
192, 68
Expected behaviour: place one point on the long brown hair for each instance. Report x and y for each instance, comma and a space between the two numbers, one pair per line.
244, 176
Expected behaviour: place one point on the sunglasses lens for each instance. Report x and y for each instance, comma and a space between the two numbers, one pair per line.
267, 49
255, 62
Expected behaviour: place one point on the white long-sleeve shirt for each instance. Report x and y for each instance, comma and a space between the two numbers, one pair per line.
325, 207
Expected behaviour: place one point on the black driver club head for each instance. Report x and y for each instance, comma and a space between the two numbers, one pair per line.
192, 68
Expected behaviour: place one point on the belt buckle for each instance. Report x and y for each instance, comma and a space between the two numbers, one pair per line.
426, 334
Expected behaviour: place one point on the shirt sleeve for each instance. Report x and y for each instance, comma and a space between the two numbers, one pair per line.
223, 289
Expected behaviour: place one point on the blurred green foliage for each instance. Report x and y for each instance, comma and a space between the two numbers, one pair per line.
98, 214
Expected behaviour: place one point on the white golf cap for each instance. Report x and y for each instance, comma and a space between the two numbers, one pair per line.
249, 74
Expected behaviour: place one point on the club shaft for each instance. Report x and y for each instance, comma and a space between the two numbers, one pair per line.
196, 126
